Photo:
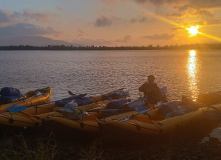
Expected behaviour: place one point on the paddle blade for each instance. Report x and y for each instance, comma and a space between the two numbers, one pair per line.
71, 93
16, 108
37, 94
124, 118
164, 90
141, 109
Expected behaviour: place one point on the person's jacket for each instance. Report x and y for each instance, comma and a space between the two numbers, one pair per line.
152, 91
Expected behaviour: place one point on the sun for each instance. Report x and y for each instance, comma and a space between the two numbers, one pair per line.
193, 30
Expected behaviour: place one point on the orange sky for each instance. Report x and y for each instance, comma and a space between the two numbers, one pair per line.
113, 22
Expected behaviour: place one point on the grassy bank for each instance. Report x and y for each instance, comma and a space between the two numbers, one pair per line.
48, 147
47, 144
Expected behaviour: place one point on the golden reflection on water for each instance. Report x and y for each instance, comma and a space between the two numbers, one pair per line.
193, 69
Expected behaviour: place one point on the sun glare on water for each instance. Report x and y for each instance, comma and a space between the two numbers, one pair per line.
193, 30
192, 53
193, 69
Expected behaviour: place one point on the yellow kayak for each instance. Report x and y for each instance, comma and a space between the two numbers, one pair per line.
33, 116
154, 123
88, 123
31, 99
79, 119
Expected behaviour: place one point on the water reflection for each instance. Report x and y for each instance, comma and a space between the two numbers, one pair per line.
193, 69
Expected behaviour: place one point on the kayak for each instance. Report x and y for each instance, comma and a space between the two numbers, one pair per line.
153, 122
80, 118
33, 117
54, 111
88, 123
34, 97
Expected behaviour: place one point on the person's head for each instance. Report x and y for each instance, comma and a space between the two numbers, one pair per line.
151, 78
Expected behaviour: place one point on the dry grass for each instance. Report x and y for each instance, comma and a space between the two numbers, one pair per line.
93, 151
44, 146
19, 147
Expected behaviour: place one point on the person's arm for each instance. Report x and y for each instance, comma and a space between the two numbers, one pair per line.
160, 95
143, 87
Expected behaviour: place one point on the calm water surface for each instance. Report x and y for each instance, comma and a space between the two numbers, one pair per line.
97, 72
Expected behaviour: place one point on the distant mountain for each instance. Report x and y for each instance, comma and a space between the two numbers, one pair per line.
33, 41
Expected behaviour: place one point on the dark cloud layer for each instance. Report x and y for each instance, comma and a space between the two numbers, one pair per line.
11, 28
203, 4
7, 17
24, 29
30, 15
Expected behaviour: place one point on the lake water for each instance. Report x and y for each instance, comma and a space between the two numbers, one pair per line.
97, 72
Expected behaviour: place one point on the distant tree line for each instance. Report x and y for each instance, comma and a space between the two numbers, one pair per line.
92, 47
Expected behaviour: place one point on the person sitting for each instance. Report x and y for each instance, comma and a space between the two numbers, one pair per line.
152, 93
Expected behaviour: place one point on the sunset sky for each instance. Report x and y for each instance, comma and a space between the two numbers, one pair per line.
113, 22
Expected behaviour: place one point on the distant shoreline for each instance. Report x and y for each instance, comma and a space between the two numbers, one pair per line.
92, 47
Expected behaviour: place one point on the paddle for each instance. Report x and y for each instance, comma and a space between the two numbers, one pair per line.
141, 112
71, 93
107, 110
16, 108
139, 109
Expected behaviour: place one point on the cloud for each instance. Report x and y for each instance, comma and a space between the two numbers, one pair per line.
159, 2
209, 22
203, 4
111, 2
141, 1
205, 13
8, 17
142, 19
179, 7
103, 22
182, 8
30, 15
159, 37
176, 15
126, 39
3, 17
24, 29
81, 33
59, 9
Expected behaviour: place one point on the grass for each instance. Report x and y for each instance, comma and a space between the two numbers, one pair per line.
51, 146
93, 151
19, 147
